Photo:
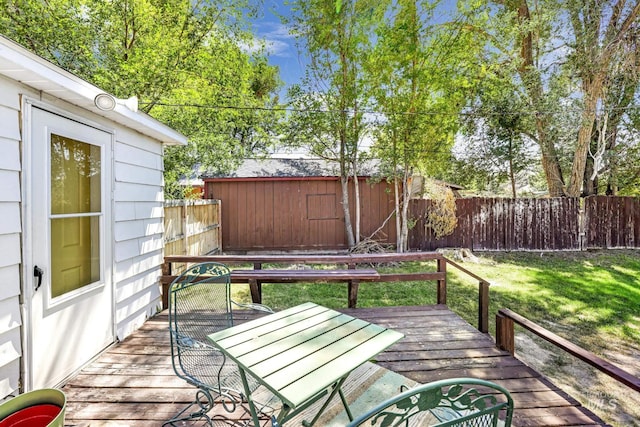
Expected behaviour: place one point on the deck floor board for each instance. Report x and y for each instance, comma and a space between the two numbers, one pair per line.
133, 384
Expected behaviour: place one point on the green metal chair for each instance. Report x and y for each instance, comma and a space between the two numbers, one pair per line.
200, 304
464, 402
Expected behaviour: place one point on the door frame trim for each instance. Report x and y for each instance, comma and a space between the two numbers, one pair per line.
27, 283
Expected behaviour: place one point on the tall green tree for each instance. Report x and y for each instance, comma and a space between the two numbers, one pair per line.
181, 58
337, 40
560, 65
497, 132
422, 72
603, 31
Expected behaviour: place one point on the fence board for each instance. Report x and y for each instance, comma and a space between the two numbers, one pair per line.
483, 224
192, 227
510, 224
612, 222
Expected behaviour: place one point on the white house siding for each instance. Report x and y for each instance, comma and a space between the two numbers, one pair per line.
137, 194
138, 230
137, 227
10, 238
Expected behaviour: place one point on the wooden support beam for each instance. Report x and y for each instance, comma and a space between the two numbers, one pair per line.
483, 307
505, 333
256, 291
442, 282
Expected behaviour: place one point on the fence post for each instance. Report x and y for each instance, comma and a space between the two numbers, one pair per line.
442, 283
352, 289
185, 227
483, 307
505, 333
219, 216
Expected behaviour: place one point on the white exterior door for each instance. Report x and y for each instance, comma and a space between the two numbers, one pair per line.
68, 240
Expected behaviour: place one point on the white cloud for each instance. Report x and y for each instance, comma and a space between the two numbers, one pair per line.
277, 39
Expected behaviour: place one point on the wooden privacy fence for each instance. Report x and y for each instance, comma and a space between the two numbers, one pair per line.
192, 227
534, 224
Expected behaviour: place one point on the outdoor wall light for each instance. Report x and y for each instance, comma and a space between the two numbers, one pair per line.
106, 102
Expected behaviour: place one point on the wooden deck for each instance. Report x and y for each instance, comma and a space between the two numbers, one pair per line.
133, 384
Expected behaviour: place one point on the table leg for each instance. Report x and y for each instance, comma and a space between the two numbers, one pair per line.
336, 389
247, 392
346, 405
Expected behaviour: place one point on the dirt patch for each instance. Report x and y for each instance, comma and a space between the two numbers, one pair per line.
613, 402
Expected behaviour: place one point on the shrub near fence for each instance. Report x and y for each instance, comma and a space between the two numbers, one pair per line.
535, 224
192, 227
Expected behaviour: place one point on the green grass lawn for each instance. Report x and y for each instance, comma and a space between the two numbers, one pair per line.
585, 296
590, 298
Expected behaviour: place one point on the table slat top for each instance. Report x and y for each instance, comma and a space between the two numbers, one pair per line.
299, 352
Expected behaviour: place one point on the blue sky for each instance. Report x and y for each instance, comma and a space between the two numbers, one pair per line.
281, 46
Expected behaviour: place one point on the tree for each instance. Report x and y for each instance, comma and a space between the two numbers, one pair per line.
532, 41
596, 49
181, 58
225, 111
337, 41
498, 132
422, 71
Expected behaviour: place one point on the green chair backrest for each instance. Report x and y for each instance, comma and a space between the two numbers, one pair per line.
467, 402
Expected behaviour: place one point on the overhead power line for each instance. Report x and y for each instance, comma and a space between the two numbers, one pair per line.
379, 113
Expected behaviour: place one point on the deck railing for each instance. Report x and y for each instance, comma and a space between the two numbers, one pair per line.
352, 261
505, 340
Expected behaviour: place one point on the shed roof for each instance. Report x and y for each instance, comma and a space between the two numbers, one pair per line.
293, 168
19, 64
287, 168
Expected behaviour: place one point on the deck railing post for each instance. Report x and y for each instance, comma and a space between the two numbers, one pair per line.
483, 307
166, 271
442, 283
505, 333
255, 286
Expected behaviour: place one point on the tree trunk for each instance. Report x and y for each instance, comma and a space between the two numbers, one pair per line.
406, 197
396, 192
535, 90
512, 176
589, 184
356, 196
550, 163
344, 182
592, 92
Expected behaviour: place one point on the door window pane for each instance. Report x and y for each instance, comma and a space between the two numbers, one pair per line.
75, 214
75, 176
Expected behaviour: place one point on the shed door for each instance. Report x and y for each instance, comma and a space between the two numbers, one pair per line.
71, 310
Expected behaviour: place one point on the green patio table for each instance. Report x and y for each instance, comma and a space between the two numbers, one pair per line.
302, 354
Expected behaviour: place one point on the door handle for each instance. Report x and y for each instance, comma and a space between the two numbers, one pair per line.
38, 272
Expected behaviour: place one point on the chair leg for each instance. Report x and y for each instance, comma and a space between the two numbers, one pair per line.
202, 404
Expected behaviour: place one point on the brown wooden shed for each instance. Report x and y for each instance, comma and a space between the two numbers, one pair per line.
294, 204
